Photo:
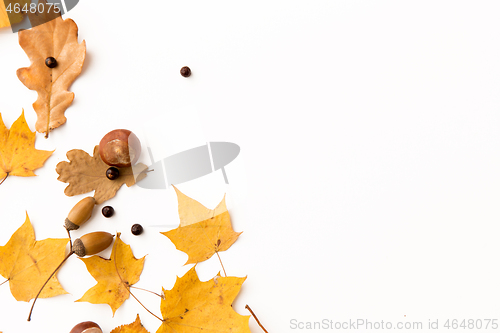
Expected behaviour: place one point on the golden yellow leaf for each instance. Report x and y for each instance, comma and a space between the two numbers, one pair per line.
135, 327
114, 276
28, 263
14, 17
191, 211
195, 306
56, 38
18, 156
201, 240
85, 173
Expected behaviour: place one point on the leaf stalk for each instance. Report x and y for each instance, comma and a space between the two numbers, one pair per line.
256, 319
4, 178
54, 272
225, 274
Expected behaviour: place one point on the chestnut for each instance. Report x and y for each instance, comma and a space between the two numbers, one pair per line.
86, 327
120, 148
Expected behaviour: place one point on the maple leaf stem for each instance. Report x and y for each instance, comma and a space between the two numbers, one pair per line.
225, 274
127, 285
256, 319
4, 178
144, 306
54, 272
149, 291
4, 282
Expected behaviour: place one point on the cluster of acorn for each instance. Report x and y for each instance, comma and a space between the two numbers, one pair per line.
119, 148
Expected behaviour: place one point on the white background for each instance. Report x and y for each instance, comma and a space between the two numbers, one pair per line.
368, 181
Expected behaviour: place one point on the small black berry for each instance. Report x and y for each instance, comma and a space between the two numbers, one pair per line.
108, 211
186, 71
112, 173
51, 62
137, 229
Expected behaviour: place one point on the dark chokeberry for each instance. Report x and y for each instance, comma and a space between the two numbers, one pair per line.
137, 229
186, 71
51, 62
108, 211
112, 173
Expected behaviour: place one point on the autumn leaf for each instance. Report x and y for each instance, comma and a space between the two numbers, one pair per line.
27, 263
14, 17
114, 276
18, 156
191, 211
201, 240
195, 306
56, 38
135, 327
85, 173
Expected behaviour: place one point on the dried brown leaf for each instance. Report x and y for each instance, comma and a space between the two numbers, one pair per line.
56, 38
86, 173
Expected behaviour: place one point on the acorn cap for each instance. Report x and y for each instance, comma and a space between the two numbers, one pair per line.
92, 243
80, 213
79, 248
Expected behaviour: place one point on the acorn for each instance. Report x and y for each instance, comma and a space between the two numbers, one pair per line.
92, 243
80, 214
86, 327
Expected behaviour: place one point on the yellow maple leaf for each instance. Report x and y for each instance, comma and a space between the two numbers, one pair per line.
201, 240
195, 306
135, 327
18, 156
12, 17
56, 38
114, 276
27, 263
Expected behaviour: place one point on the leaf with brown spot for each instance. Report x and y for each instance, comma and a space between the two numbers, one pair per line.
135, 327
18, 156
28, 263
202, 232
114, 276
86, 173
195, 306
56, 38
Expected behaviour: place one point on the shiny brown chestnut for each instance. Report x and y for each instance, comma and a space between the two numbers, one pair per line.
120, 148
86, 327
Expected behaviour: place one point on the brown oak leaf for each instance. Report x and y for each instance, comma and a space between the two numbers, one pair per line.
56, 38
86, 173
